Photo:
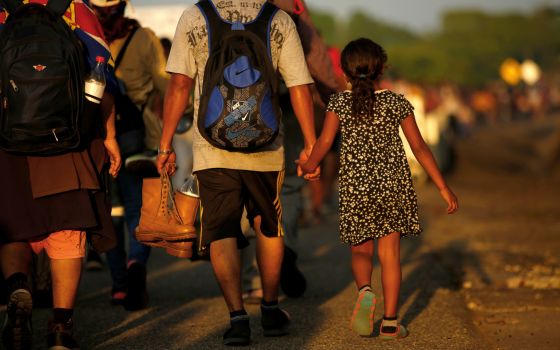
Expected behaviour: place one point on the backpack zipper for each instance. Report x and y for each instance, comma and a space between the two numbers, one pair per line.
54, 133
14, 86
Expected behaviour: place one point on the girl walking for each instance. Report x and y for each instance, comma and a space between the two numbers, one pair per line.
377, 199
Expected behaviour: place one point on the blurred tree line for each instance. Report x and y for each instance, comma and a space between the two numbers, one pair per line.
468, 49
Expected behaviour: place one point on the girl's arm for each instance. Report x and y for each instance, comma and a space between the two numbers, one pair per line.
426, 159
322, 146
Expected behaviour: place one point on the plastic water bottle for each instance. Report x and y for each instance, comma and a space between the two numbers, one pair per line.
190, 187
95, 82
187, 201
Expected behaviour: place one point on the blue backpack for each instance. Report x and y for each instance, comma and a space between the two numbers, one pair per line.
239, 110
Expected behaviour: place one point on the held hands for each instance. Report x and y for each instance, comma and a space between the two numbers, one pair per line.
308, 172
451, 200
305, 169
167, 161
112, 148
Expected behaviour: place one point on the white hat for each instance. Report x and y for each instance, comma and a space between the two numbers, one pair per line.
105, 3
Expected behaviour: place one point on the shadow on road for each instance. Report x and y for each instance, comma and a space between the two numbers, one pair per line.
176, 288
443, 268
325, 263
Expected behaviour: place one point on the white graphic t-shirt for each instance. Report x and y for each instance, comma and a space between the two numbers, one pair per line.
189, 54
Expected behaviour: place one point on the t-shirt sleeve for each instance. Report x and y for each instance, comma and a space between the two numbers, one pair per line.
335, 104
403, 107
181, 57
291, 63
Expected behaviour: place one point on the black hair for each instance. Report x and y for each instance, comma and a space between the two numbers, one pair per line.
362, 61
166, 45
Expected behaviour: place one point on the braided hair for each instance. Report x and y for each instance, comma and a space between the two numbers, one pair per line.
362, 61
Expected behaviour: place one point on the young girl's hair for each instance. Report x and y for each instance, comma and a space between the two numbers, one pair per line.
362, 61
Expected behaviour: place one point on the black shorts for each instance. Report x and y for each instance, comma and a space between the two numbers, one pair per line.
223, 195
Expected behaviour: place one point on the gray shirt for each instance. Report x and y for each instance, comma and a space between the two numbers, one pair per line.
189, 54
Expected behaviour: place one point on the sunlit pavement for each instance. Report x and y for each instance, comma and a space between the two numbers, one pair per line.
484, 278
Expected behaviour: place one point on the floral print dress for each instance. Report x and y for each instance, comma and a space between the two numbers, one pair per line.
376, 195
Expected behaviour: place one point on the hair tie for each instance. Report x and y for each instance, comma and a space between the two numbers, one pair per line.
362, 76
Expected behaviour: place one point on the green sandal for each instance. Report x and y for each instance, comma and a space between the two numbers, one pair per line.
399, 334
362, 318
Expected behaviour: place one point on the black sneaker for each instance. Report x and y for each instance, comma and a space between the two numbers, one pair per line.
239, 333
292, 281
17, 331
137, 295
275, 321
61, 336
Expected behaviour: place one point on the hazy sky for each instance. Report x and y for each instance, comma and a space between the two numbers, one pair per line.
415, 14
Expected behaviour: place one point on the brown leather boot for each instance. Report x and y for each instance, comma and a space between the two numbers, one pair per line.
187, 207
157, 221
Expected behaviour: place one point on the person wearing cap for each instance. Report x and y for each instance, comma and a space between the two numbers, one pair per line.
140, 70
48, 203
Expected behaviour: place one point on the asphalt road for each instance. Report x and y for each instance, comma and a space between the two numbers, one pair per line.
485, 278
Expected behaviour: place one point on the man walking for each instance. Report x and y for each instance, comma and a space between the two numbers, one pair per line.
229, 180
140, 70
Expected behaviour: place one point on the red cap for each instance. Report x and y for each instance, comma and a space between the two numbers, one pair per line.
100, 59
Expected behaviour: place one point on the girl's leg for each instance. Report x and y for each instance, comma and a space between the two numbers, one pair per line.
362, 263
362, 267
388, 250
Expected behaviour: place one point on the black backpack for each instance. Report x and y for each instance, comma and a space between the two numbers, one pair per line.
239, 110
42, 67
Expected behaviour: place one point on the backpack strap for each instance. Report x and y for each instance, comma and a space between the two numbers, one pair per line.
11, 5
122, 51
262, 24
58, 7
217, 26
120, 57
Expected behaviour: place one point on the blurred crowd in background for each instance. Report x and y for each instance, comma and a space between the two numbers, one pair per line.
477, 69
